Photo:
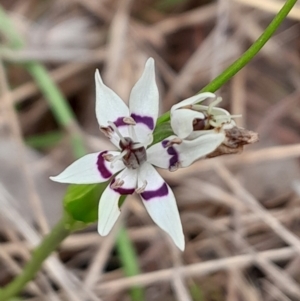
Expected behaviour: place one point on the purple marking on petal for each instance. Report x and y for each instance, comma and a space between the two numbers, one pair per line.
165, 143
105, 173
123, 191
174, 156
172, 152
160, 192
120, 122
148, 121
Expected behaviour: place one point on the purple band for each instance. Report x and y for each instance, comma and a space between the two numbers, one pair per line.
165, 143
146, 120
160, 192
172, 152
120, 122
105, 173
122, 191
174, 156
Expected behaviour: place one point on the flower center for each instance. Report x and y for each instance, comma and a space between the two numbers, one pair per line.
211, 119
134, 153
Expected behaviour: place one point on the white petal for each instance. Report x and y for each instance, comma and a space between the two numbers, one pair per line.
160, 203
109, 106
220, 111
193, 100
108, 211
183, 154
215, 110
191, 150
143, 102
90, 169
158, 155
182, 121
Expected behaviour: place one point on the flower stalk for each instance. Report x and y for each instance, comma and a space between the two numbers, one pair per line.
65, 117
40, 254
246, 57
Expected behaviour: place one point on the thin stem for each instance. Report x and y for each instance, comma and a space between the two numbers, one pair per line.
47, 246
65, 117
235, 67
57, 102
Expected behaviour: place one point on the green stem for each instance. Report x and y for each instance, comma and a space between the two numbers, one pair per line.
47, 246
235, 67
130, 265
57, 102
124, 245
65, 117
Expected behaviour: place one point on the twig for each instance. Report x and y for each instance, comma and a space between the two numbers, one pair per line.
254, 206
199, 269
271, 6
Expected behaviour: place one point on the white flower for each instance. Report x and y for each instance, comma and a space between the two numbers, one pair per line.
189, 119
130, 130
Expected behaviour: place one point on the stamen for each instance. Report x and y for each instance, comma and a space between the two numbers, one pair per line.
220, 117
142, 188
197, 107
213, 104
218, 120
137, 145
132, 133
107, 131
174, 167
129, 120
236, 116
189, 107
116, 158
214, 124
176, 140
117, 184
114, 127
108, 157
144, 144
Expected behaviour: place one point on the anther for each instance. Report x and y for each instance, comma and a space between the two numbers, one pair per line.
176, 140
108, 157
174, 167
116, 130
213, 104
107, 131
129, 120
189, 107
117, 184
141, 189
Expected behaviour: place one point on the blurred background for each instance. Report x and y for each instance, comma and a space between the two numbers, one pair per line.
240, 213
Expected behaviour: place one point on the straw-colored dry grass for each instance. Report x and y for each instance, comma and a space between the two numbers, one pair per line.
240, 213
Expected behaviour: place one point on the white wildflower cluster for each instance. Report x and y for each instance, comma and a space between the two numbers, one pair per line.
199, 131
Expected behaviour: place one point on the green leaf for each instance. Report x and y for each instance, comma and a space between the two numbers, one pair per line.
81, 201
161, 132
